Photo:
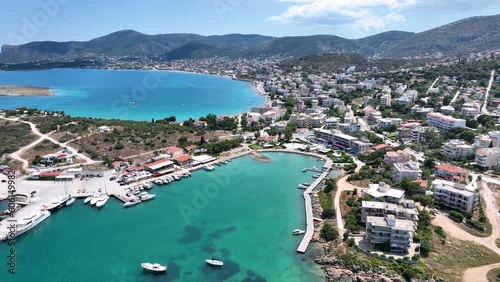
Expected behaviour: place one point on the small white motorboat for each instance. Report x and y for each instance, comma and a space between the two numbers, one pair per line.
306, 183
87, 199
302, 186
304, 169
298, 232
158, 182
176, 177
147, 185
131, 203
156, 267
102, 201
214, 262
94, 200
146, 197
70, 201
209, 167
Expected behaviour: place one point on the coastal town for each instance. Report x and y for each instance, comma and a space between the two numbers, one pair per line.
416, 147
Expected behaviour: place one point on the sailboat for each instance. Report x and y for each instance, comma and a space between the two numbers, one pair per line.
214, 261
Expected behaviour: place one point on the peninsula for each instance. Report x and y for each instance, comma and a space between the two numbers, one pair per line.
19, 90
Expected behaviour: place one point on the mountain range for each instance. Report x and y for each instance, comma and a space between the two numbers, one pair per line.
476, 34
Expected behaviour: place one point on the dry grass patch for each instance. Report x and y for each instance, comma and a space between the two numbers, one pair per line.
494, 275
450, 260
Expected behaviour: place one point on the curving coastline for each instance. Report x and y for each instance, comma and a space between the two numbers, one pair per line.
20, 90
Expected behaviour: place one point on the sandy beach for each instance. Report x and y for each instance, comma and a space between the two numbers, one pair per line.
18, 90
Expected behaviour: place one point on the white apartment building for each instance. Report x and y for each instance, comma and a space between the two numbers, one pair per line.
388, 122
455, 195
385, 100
350, 127
487, 140
487, 157
410, 170
398, 232
332, 122
318, 119
444, 123
300, 120
383, 192
419, 134
456, 149
381, 209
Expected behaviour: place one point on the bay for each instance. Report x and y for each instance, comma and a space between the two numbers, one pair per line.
132, 94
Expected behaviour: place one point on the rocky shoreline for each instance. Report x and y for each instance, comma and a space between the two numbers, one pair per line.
18, 90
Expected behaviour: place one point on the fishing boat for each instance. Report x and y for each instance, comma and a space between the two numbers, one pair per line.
87, 200
298, 232
131, 203
209, 167
155, 267
102, 201
70, 201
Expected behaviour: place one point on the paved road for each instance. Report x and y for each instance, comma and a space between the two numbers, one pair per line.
455, 97
484, 109
432, 85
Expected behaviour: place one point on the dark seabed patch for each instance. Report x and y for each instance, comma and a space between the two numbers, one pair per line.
252, 276
223, 273
192, 235
219, 233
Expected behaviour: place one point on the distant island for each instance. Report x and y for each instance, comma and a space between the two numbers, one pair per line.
18, 90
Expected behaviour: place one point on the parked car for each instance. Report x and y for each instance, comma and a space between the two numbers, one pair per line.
112, 178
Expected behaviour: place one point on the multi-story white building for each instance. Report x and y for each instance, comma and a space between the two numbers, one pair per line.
388, 122
456, 149
383, 192
350, 127
385, 100
318, 119
419, 134
410, 170
399, 232
300, 120
487, 157
444, 123
454, 195
332, 122
343, 141
452, 173
486, 140
381, 209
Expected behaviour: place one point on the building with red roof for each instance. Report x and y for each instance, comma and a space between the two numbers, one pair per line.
183, 160
451, 172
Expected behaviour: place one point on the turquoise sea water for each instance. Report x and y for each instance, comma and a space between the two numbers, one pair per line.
111, 94
248, 209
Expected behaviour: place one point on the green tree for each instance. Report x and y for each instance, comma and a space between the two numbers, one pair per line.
328, 232
182, 142
288, 133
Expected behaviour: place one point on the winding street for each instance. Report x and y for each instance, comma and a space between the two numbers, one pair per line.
484, 109
17, 155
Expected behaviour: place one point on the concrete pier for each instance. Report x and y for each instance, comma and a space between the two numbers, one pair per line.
309, 214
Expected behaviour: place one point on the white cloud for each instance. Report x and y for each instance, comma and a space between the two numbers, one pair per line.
368, 15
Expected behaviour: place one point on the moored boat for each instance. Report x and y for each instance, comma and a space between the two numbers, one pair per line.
102, 201
31, 221
298, 232
131, 203
70, 201
155, 267
304, 169
87, 200
94, 200
57, 203
147, 196
302, 186
209, 167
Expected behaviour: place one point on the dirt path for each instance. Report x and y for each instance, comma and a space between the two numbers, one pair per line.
343, 185
478, 274
17, 155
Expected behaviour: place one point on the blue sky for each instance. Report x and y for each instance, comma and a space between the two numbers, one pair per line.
64, 20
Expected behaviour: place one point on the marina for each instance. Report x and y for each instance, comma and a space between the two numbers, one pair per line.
173, 232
